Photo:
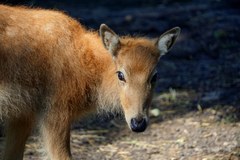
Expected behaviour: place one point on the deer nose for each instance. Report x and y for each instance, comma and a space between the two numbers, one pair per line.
138, 125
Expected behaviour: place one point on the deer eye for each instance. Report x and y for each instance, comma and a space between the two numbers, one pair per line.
121, 76
154, 78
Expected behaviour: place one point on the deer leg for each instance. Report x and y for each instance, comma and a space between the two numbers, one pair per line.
17, 132
55, 130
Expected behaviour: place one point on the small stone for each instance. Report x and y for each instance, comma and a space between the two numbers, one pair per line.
155, 112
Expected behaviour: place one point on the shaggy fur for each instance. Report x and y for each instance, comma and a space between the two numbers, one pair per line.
54, 71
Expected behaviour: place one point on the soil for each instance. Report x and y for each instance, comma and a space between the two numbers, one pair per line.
196, 110
176, 132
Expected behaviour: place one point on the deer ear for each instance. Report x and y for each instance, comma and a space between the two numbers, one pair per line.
167, 39
110, 39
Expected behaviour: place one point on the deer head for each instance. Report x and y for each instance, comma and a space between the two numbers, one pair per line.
136, 60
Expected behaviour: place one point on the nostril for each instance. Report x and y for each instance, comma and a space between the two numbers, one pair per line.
134, 123
139, 120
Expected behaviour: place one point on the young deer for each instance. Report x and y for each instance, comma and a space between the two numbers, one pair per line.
54, 71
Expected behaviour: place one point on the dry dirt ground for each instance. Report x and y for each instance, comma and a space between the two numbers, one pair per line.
180, 129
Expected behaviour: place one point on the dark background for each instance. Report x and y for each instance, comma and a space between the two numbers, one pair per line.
206, 58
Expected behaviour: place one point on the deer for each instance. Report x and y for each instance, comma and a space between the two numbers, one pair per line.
54, 71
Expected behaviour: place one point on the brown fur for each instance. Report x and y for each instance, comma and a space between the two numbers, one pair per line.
53, 71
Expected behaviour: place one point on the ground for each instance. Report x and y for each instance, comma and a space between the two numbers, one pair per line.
196, 108
179, 129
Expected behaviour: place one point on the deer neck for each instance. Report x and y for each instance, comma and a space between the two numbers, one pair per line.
107, 88
108, 97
